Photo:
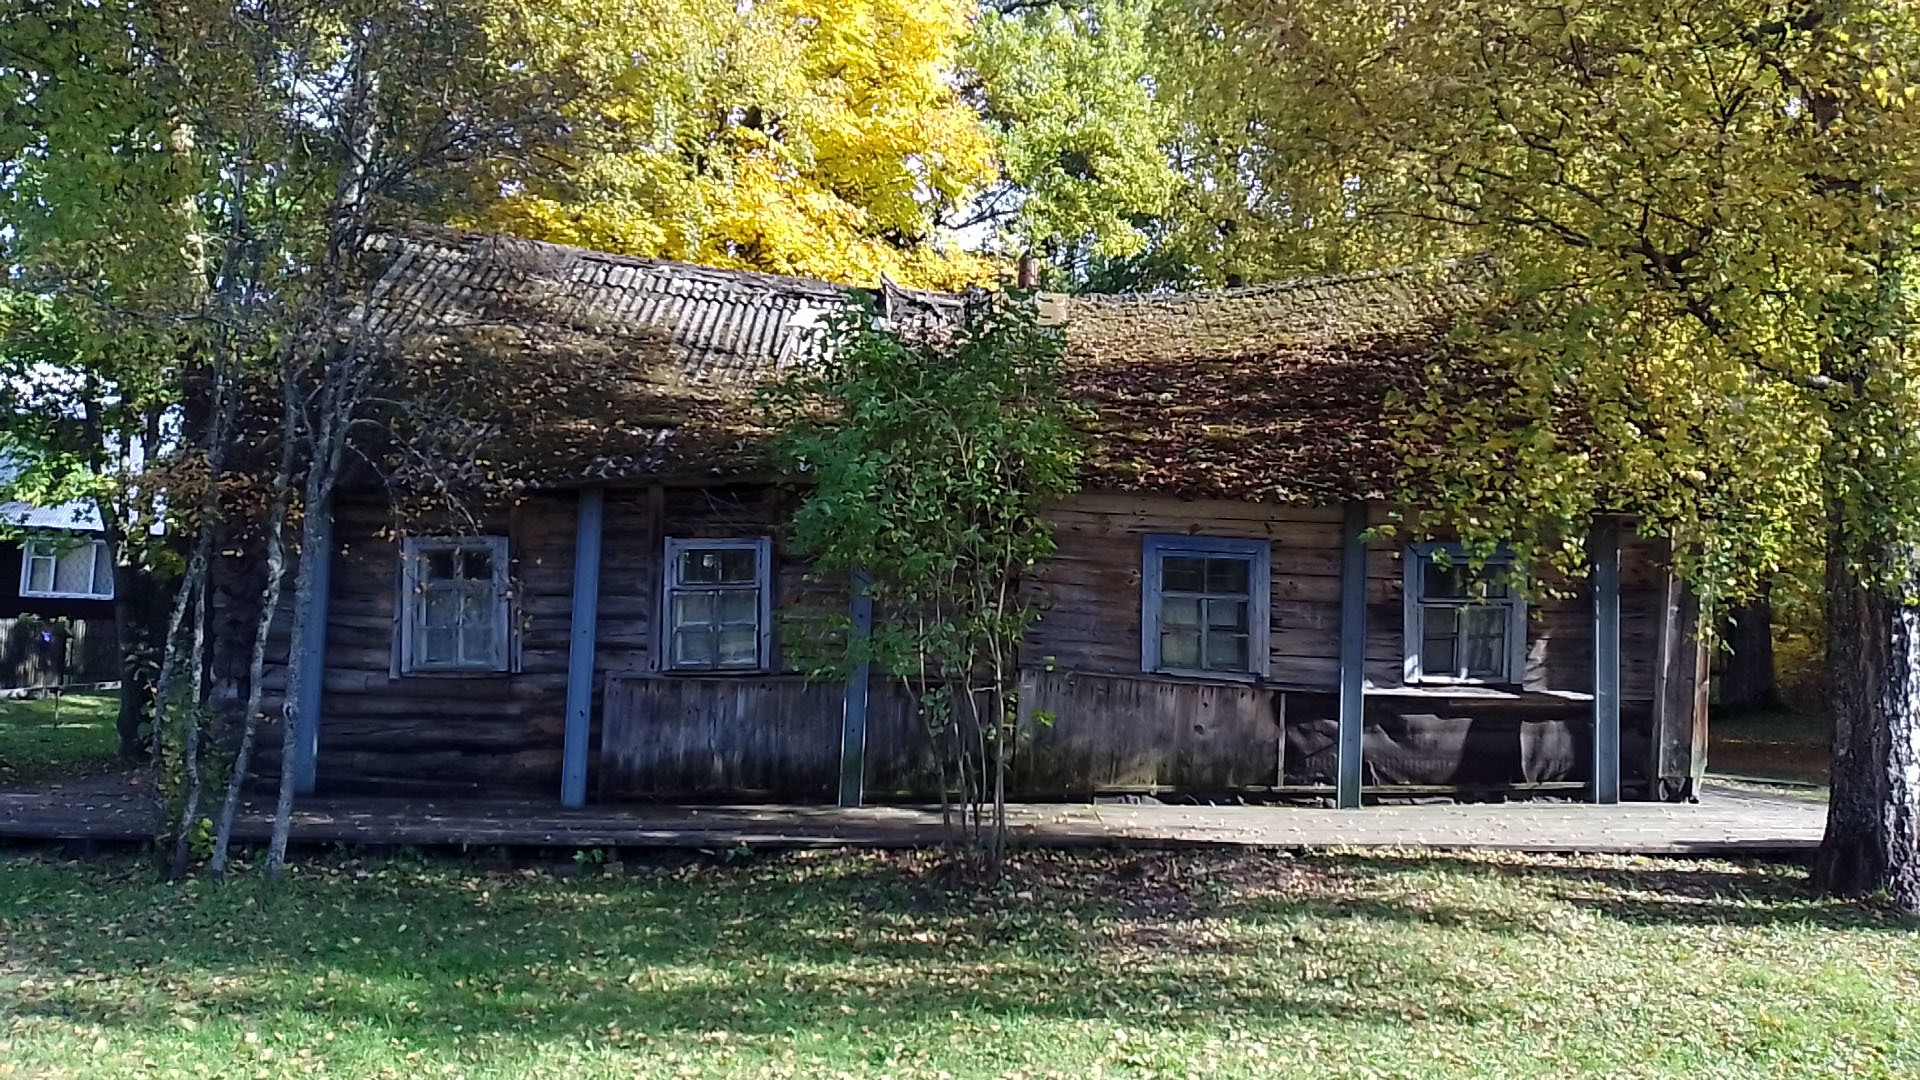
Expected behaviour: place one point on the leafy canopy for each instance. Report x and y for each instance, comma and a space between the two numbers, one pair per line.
1699, 219
931, 453
819, 138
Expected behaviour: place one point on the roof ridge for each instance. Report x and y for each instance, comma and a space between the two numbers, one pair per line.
1265, 288
467, 240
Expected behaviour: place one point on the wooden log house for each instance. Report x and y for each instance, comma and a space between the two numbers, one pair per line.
1219, 620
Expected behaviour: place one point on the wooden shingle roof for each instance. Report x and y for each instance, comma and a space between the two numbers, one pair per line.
593, 366
1274, 392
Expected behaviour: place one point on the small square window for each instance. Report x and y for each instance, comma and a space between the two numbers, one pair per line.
1204, 606
455, 604
66, 569
1464, 623
718, 605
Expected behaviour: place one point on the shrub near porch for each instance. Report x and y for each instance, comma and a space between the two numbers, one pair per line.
1200, 964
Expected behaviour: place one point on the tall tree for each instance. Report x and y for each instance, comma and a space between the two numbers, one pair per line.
225, 195
1701, 222
821, 138
1067, 90
106, 263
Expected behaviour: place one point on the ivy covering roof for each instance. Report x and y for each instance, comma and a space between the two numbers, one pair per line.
575, 366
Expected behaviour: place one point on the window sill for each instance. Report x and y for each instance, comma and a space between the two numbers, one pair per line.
458, 673
28, 595
1231, 678
1489, 691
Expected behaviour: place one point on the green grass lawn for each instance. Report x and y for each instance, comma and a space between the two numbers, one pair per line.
1770, 746
56, 738
837, 964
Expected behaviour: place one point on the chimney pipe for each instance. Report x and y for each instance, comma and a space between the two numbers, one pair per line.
1029, 277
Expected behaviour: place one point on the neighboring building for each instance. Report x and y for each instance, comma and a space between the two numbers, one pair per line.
56, 597
1214, 622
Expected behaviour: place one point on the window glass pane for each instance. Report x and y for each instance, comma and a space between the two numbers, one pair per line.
102, 571
1483, 640
699, 566
1179, 612
740, 607
476, 643
439, 607
1226, 652
1180, 649
73, 572
1180, 573
1444, 582
40, 575
1227, 575
476, 564
437, 565
693, 648
1227, 615
437, 645
739, 647
1437, 651
693, 609
476, 603
737, 565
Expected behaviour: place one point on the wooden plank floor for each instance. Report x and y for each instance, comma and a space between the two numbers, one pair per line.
1725, 822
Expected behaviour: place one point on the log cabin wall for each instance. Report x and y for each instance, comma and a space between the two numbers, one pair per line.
1114, 727
1111, 727
384, 731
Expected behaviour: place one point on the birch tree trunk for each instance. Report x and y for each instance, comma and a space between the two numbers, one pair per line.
1872, 839
276, 560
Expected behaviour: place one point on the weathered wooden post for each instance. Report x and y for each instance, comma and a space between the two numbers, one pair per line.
1604, 548
580, 646
853, 723
1353, 653
313, 655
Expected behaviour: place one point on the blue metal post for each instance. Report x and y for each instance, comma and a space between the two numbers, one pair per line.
1605, 548
853, 721
580, 646
313, 654
1353, 652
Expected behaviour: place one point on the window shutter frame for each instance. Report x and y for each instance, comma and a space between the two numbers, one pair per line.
1156, 546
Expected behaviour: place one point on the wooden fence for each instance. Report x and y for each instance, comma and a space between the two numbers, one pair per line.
36, 651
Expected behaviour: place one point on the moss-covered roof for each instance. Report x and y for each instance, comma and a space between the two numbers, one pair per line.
574, 365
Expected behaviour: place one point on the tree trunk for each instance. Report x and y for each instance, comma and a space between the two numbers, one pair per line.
1872, 840
1749, 683
311, 538
133, 632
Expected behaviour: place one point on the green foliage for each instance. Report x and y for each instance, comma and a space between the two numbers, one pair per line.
1696, 220
1228, 965
1066, 90
931, 452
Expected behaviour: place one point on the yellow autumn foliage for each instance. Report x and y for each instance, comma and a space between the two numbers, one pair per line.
820, 138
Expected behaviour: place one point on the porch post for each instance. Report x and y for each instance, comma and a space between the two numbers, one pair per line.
1353, 652
853, 719
313, 656
1605, 549
580, 646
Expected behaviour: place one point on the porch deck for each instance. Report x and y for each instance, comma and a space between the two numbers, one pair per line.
1726, 822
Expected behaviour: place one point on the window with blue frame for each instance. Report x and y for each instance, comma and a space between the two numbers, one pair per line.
1204, 605
1464, 623
718, 615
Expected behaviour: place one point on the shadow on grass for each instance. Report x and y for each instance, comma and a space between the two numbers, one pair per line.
1667, 892
885, 945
